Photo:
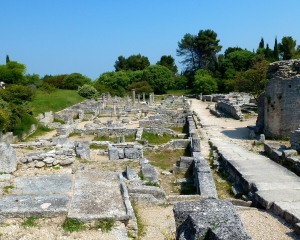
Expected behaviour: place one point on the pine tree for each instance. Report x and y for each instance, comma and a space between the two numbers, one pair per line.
261, 43
7, 59
275, 51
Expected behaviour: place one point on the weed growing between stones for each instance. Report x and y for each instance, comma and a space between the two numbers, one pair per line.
72, 225
155, 184
141, 226
73, 134
93, 146
29, 222
6, 188
56, 167
105, 225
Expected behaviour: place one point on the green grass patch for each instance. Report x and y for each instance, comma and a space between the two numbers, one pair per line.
24, 126
140, 224
105, 225
41, 130
54, 101
165, 159
56, 167
102, 138
29, 222
72, 225
179, 92
58, 120
93, 146
154, 184
73, 134
153, 138
6, 188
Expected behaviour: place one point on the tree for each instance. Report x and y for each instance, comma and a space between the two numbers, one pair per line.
254, 79
275, 50
13, 73
159, 78
204, 83
7, 59
287, 47
113, 82
199, 51
180, 82
141, 87
75, 80
230, 50
261, 43
4, 120
88, 91
169, 62
133, 62
55, 81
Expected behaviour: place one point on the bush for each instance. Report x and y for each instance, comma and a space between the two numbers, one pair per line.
88, 91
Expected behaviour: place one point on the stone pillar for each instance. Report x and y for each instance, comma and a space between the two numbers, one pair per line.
144, 99
123, 139
118, 140
138, 98
127, 100
150, 99
133, 96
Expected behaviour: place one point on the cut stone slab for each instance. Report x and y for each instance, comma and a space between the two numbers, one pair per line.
40, 185
82, 150
208, 219
155, 191
149, 172
34, 206
99, 195
130, 173
8, 159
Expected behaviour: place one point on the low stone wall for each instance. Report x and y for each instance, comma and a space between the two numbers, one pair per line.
122, 151
230, 108
160, 131
295, 139
202, 177
45, 118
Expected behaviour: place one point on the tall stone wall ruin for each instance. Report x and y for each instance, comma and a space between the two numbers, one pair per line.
282, 99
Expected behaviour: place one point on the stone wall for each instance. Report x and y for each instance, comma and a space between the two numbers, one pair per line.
122, 151
282, 99
230, 108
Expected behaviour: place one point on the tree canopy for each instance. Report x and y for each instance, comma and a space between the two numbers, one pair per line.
169, 62
204, 82
287, 47
133, 62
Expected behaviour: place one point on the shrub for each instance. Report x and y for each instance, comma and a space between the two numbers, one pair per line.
88, 91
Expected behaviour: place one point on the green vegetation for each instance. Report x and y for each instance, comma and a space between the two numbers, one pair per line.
165, 159
24, 126
102, 138
55, 101
88, 91
93, 146
29, 222
71, 225
7, 188
105, 225
155, 184
153, 138
41, 130
140, 224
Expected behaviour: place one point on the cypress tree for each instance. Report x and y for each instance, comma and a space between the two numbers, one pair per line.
275, 51
261, 43
7, 59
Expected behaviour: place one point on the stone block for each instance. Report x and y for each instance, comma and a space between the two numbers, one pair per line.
113, 153
82, 150
155, 191
130, 174
149, 172
8, 159
208, 219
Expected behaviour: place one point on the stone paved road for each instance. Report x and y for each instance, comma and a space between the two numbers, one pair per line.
275, 187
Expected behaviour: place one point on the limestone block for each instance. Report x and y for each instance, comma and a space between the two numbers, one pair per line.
208, 219
39, 164
155, 191
8, 159
149, 172
82, 150
130, 174
48, 160
67, 161
113, 153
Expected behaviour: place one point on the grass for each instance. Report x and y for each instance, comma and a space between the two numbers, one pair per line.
58, 120
102, 138
105, 225
24, 126
164, 159
6, 188
153, 138
41, 130
179, 92
93, 146
72, 134
54, 101
154, 184
184, 129
29, 222
141, 226
72, 225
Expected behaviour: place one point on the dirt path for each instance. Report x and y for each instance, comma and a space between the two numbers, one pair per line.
259, 224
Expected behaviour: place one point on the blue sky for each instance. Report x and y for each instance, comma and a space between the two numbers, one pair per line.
87, 36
